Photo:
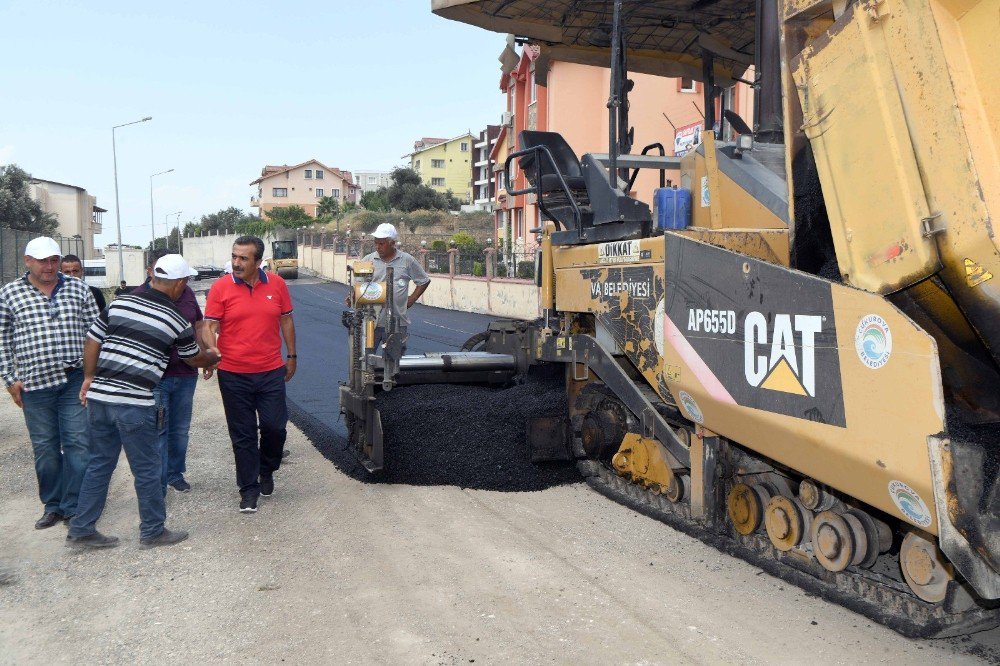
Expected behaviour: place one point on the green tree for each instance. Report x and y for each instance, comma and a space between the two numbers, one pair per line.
328, 207
375, 200
348, 207
17, 209
224, 220
407, 193
290, 216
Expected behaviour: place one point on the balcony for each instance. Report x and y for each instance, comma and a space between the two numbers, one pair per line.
254, 202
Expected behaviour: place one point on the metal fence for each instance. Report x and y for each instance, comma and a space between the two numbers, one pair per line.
12, 243
472, 261
516, 265
438, 262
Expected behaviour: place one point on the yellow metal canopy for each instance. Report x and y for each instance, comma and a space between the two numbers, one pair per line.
665, 37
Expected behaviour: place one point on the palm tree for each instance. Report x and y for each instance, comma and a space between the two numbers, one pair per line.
328, 207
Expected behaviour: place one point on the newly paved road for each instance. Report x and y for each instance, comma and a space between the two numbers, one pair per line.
322, 350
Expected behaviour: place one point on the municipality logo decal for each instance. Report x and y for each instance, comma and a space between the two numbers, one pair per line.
691, 407
873, 341
788, 361
909, 503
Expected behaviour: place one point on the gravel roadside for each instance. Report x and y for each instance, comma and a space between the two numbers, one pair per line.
336, 570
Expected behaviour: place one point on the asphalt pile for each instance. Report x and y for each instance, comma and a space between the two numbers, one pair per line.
470, 436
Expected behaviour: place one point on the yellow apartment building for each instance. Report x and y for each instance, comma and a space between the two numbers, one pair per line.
445, 164
302, 185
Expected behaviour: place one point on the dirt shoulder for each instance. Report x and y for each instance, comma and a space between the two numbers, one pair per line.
336, 570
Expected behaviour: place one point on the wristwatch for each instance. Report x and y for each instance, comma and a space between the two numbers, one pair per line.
292, 356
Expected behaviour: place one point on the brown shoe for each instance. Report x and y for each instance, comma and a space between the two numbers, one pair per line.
48, 519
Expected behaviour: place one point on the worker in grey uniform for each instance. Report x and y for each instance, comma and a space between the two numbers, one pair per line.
405, 269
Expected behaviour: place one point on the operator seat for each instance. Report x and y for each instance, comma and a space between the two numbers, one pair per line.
592, 210
566, 161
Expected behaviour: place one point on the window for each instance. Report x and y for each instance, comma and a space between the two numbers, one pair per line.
372, 180
319, 174
309, 173
437, 164
465, 147
335, 193
437, 182
416, 165
279, 191
686, 85
319, 191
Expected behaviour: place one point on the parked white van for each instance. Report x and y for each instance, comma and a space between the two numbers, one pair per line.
95, 273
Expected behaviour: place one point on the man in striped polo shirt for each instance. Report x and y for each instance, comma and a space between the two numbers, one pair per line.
124, 358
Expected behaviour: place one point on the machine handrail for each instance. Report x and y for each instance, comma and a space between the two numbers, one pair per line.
537, 188
635, 172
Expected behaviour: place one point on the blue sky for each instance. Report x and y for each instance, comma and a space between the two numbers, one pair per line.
230, 87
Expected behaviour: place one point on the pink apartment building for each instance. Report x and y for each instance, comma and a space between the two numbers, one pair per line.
302, 185
571, 99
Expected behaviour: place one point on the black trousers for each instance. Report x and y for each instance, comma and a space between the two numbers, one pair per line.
249, 399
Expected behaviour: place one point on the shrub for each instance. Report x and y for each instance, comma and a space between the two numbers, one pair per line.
526, 270
478, 268
439, 246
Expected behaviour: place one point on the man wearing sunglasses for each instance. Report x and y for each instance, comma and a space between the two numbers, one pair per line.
44, 318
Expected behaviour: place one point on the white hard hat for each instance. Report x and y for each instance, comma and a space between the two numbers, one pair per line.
173, 267
42, 247
385, 230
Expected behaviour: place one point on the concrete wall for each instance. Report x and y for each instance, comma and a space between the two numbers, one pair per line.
501, 297
214, 250
135, 266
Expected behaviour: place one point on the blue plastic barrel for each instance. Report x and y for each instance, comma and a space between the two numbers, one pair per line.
672, 208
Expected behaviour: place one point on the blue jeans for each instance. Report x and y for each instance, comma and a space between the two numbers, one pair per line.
57, 426
113, 427
175, 395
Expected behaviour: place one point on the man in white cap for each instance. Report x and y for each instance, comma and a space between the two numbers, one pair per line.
44, 318
126, 352
405, 268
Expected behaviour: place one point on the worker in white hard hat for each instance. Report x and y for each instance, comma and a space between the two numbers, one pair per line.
44, 318
405, 269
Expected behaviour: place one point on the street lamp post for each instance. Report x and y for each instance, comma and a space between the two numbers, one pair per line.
152, 222
118, 212
166, 222
179, 248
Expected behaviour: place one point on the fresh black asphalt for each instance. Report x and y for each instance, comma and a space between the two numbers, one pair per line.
321, 342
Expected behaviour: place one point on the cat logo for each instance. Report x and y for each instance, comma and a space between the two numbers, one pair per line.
789, 364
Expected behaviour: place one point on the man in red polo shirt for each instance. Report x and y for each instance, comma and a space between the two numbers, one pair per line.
246, 316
